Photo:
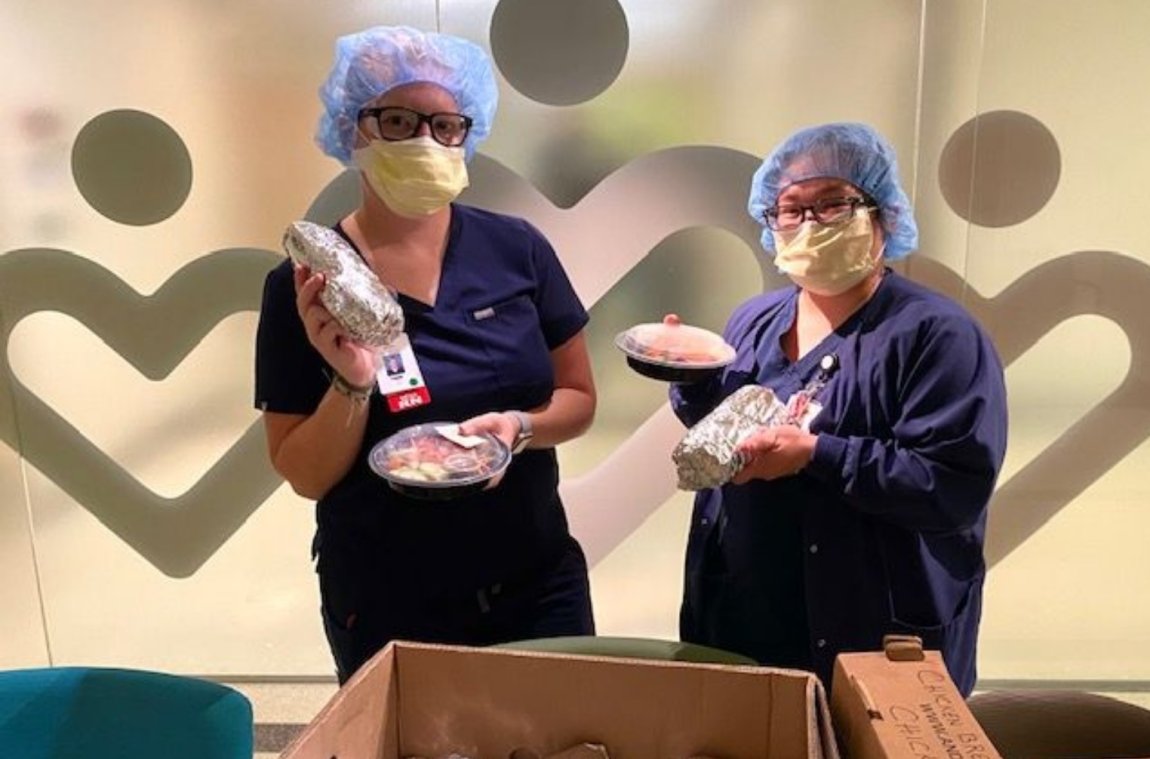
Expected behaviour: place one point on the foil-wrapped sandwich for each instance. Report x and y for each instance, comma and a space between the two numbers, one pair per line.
352, 293
706, 457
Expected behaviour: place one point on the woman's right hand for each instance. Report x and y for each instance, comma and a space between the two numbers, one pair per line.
774, 452
356, 363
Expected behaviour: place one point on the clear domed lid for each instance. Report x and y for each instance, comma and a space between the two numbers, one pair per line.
675, 345
434, 455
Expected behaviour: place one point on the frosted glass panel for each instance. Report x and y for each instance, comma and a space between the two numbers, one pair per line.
148, 177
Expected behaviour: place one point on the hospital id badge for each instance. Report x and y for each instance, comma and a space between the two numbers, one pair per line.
812, 410
399, 377
802, 409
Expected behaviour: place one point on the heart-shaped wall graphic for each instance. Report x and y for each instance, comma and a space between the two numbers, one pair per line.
1100, 283
640, 204
154, 333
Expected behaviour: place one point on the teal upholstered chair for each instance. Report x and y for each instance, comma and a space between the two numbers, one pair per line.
635, 648
104, 713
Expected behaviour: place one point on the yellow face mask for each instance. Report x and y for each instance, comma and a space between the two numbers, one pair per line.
827, 260
413, 177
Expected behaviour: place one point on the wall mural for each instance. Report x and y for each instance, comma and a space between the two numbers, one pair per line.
133, 168
998, 169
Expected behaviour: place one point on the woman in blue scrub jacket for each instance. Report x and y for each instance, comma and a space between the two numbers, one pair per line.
866, 513
496, 341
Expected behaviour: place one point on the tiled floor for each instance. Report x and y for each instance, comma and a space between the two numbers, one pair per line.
281, 709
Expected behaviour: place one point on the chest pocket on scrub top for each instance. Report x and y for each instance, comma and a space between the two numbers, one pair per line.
512, 338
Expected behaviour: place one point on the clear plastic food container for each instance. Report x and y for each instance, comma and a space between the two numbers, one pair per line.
674, 352
423, 461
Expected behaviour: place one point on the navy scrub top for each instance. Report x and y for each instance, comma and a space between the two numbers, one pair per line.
883, 531
504, 302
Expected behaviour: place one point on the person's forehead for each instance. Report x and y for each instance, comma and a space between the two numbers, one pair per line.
417, 95
813, 189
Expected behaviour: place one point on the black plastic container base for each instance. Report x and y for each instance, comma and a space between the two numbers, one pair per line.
438, 493
673, 373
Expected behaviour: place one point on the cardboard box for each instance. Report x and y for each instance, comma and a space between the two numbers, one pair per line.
901, 702
430, 701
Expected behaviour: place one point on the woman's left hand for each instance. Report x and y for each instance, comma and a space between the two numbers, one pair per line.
774, 452
503, 426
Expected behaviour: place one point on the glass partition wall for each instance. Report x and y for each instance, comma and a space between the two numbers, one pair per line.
154, 151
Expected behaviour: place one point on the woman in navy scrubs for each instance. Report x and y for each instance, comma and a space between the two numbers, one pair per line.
866, 515
496, 342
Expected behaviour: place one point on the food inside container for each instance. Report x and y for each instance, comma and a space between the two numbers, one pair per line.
433, 461
674, 352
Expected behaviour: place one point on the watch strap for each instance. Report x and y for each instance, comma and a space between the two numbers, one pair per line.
526, 432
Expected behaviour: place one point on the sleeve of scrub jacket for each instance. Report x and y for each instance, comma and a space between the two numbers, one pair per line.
693, 401
291, 377
938, 472
561, 313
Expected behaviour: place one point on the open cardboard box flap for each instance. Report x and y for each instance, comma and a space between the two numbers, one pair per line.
901, 702
430, 701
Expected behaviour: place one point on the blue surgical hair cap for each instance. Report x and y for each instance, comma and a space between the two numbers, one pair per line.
855, 153
371, 62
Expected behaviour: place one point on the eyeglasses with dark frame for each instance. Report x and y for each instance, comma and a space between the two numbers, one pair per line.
394, 123
826, 211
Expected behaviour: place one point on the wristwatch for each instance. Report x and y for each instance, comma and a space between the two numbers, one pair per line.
523, 437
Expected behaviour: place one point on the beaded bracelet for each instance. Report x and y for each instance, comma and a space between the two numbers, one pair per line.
353, 392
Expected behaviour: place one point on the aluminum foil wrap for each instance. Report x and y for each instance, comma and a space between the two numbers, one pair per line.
705, 457
352, 293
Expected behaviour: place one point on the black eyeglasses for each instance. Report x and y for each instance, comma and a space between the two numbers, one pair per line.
394, 123
827, 211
